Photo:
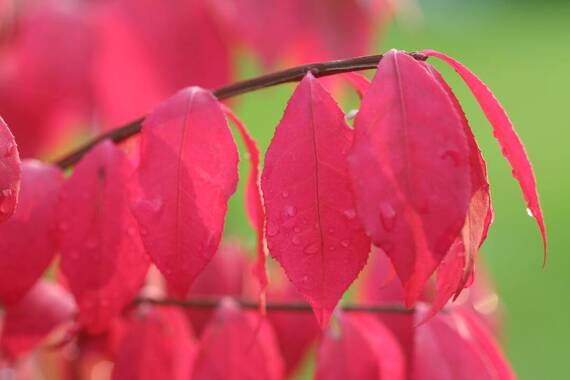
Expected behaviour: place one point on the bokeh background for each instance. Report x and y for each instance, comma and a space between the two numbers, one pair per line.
519, 48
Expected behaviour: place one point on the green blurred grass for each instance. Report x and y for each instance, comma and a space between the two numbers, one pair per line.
520, 52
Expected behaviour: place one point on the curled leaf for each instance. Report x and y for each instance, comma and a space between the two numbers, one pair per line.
510, 142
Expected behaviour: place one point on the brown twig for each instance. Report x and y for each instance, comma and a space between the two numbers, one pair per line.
210, 303
294, 74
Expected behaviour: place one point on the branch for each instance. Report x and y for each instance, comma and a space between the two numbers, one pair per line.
294, 74
210, 303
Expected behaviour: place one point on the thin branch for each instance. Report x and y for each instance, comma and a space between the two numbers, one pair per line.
210, 303
294, 74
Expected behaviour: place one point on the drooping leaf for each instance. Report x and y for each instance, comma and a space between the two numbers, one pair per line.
510, 142
158, 344
454, 345
188, 171
409, 166
236, 346
10, 172
312, 229
224, 276
254, 203
360, 347
27, 243
103, 259
458, 265
28, 322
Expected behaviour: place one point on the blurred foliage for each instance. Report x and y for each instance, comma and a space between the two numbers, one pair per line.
519, 49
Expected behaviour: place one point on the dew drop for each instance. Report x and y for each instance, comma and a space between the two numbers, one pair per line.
345, 243
272, 229
289, 211
331, 230
387, 216
350, 213
350, 115
529, 212
10, 150
312, 248
295, 240
453, 155
131, 231
285, 194
297, 229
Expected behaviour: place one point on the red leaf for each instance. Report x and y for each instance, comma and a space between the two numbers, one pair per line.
360, 347
10, 172
380, 286
410, 169
455, 345
458, 265
311, 225
358, 81
236, 346
59, 89
138, 64
295, 332
254, 203
510, 142
29, 321
188, 171
103, 258
158, 344
26, 239
223, 276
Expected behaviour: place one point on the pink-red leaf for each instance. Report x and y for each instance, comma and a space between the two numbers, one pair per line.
10, 172
236, 346
27, 243
158, 344
254, 202
136, 64
505, 133
30, 320
224, 275
360, 347
312, 229
188, 171
455, 345
295, 332
458, 265
410, 169
103, 258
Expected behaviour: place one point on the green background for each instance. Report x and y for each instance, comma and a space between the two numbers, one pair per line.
520, 49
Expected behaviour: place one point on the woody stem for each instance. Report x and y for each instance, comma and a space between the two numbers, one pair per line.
213, 302
293, 74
